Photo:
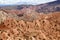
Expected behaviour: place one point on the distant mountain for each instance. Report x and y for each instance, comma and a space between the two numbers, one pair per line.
25, 3
45, 8
48, 7
19, 3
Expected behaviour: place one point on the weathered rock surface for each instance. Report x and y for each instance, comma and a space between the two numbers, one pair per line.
45, 27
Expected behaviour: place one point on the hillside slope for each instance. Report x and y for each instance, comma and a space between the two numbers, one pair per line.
45, 27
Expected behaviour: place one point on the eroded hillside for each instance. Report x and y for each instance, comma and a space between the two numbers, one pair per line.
42, 27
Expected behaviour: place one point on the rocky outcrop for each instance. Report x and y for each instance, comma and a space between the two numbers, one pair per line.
45, 27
